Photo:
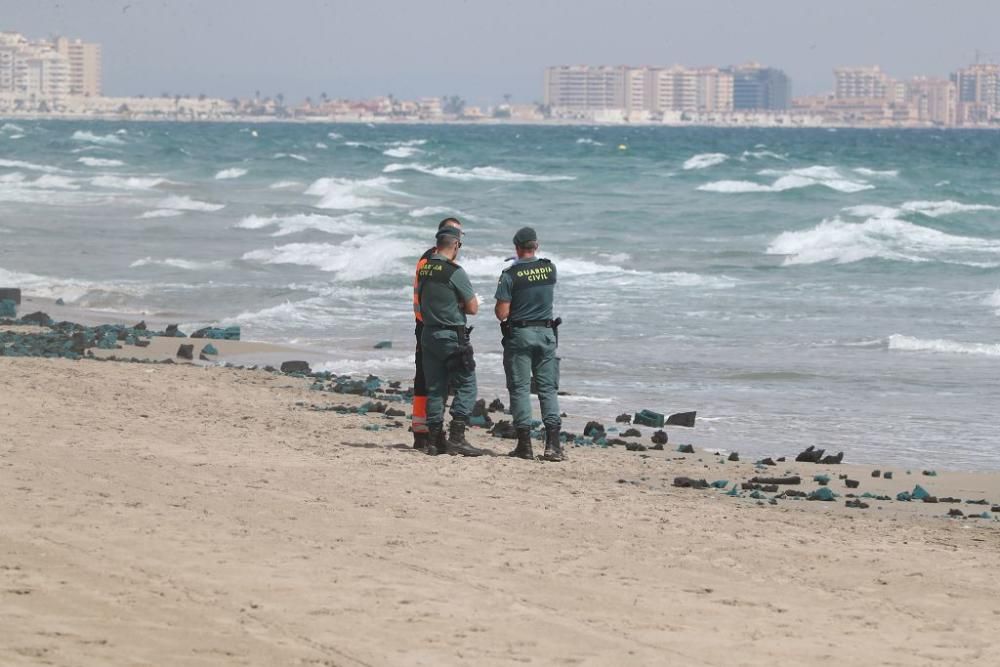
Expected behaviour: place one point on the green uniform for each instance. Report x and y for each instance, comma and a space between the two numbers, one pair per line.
444, 288
530, 346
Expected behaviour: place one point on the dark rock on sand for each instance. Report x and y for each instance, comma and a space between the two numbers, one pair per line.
38, 317
186, 352
689, 483
810, 455
777, 480
496, 406
686, 449
876, 473
11, 294
833, 460
767, 462
634, 446
659, 438
173, 332
623, 418
594, 430
954, 511
852, 483
504, 429
735, 456
887, 475
295, 367
395, 412
632, 433
856, 503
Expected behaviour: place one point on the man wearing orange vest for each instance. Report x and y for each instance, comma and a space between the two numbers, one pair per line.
419, 421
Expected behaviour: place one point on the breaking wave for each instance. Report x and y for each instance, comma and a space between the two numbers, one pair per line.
588, 141
793, 179
31, 166
282, 185
234, 172
880, 238
292, 156
887, 173
401, 152
90, 137
184, 203
705, 160
475, 174
100, 162
936, 209
127, 183
161, 213
348, 194
343, 260
172, 262
299, 223
911, 344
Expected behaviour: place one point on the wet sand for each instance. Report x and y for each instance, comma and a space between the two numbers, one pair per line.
181, 515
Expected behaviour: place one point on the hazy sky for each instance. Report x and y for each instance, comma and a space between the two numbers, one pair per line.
482, 49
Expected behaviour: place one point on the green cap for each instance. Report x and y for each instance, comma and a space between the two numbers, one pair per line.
449, 231
525, 235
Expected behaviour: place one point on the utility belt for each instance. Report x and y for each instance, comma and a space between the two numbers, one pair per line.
463, 359
507, 325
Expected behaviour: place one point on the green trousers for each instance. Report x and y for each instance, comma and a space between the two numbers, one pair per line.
532, 351
437, 345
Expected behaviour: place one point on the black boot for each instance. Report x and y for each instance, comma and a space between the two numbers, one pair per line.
435, 440
553, 445
457, 444
523, 449
419, 441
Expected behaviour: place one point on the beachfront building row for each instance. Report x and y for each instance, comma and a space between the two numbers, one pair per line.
48, 70
642, 92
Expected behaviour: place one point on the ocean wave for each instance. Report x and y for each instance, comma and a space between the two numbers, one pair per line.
294, 224
871, 211
70, 290
334, 135
54, 181
588, 141
401, 152
10, 127
911, 344
761, 154
936, 209
292, 156
185, 203
186, 264
442, 212
407, 143
283, 185
348, 194
100, 162
359, 258
161, 213
877, 238
90, 137
234, 172
886, 173
15, 136
31, 166
793, 179
993, 300
127, 183
705, 160
487, 173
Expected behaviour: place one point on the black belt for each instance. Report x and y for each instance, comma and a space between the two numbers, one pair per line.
520, 324
460, 329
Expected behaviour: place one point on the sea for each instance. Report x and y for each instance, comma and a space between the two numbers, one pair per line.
837, 288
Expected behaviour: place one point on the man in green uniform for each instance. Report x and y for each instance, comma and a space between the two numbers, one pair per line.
524, 307
446, 297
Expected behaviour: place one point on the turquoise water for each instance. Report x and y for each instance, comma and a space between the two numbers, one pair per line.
795, 287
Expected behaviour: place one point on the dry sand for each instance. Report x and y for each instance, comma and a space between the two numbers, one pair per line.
176, 515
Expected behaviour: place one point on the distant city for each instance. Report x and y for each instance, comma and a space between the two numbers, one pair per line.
62, 77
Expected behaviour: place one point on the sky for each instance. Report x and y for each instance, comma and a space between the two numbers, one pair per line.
483, 49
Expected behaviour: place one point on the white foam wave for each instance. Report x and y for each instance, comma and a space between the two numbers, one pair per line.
348, 194
16, 136
294, 224
333, 135
402, 152
883, 238
173, 262
441, 212
283, 185
234, 172
320, 145
487, 173
100, 162
70, 290
408, 143
127, 183
90, 137
293, 156
588, 141
161, 213
760, 154
936, 209
10, 127
347, 261
993, 300
875, 173
871, 211
53, 181
911, 344
31, 166
705, 160
185, 203
793, 179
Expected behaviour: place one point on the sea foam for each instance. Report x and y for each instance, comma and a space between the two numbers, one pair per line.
487, 173
401, 152
184, 203
936, 209
234, 172
705, 160
161, 213
31, 166
175, 263
793, 179
294, 224
911, 344
100, 162
127, 183
348, 194
350, 261
90, 137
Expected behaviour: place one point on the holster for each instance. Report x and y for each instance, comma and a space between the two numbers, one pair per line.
463, 359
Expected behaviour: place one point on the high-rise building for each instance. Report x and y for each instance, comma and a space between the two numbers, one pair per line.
758, 88
861, 82
714, 89
584, 88
84, 65
978, 90
935, 100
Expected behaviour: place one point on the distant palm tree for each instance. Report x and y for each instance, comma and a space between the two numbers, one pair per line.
324, 97
280, 98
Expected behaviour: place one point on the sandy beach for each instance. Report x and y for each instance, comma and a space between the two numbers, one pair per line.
182, 515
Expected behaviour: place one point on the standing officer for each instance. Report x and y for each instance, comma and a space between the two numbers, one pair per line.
530, 336
418, 423
446, 297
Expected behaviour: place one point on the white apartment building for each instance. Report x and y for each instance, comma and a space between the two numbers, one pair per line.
585, 88
861, 82
84, 60
935, 100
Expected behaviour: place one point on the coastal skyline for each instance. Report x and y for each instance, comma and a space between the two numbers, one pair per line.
484, 52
